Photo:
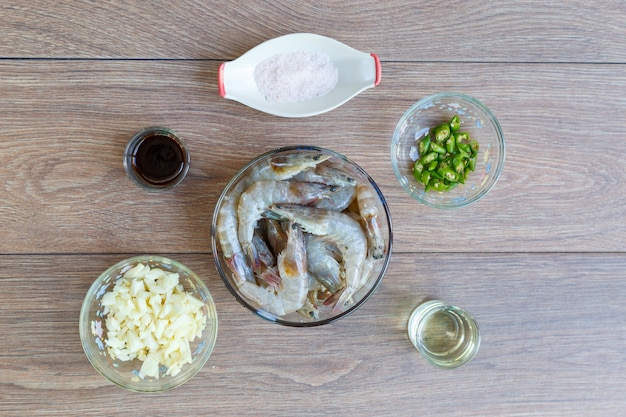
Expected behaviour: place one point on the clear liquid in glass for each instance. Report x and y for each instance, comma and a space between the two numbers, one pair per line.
445, 335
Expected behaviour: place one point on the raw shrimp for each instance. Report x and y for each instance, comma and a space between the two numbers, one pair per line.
323, 262
261, 247
338, 201
226, 231
261, 195
278, 167
368, 210
269, 275
266, 270
368, 267
276, 236
338, 228
291, 295
285, 166
336, 176
326, 174
309, 308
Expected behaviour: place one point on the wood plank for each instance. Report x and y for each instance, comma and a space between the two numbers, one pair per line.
65, 125
552, 344
512, 31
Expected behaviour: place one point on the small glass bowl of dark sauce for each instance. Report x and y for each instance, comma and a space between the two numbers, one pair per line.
156, 158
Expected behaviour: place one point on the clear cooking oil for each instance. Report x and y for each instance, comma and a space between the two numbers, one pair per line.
445, 335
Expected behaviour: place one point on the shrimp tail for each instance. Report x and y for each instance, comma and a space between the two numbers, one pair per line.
333, 300
253, 255
276, 236
265, 255
375, 238
271, 277
345, 297
366, 200
239, 266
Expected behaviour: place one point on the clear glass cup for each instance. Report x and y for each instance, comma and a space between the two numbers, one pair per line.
156, 158
445, 335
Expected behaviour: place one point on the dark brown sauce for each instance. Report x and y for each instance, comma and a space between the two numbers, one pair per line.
158, 159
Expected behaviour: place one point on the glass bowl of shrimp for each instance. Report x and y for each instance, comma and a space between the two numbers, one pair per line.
301, 236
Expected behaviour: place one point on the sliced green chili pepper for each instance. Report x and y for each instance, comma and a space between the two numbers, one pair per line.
445, 161
455, 123
428, 158
457, 164
448, 174
438, 185
418, 167
424, 145
451, 144
437, 148
472, 164
450, 185
442, 132
474, 146
447, 156
436, 175
462, 137
464, 147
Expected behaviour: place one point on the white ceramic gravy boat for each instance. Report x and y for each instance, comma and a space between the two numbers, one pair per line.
357, 71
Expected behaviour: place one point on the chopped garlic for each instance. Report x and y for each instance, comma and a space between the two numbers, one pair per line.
150, 317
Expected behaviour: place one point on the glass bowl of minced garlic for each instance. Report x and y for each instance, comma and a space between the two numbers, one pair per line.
148, 324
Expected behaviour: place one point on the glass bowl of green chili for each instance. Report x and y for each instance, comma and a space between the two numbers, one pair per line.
448, 150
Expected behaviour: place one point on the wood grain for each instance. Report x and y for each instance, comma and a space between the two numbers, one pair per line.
551, 344
65, 125
511, 31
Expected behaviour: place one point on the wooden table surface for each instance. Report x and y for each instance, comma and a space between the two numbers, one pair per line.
539, 262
